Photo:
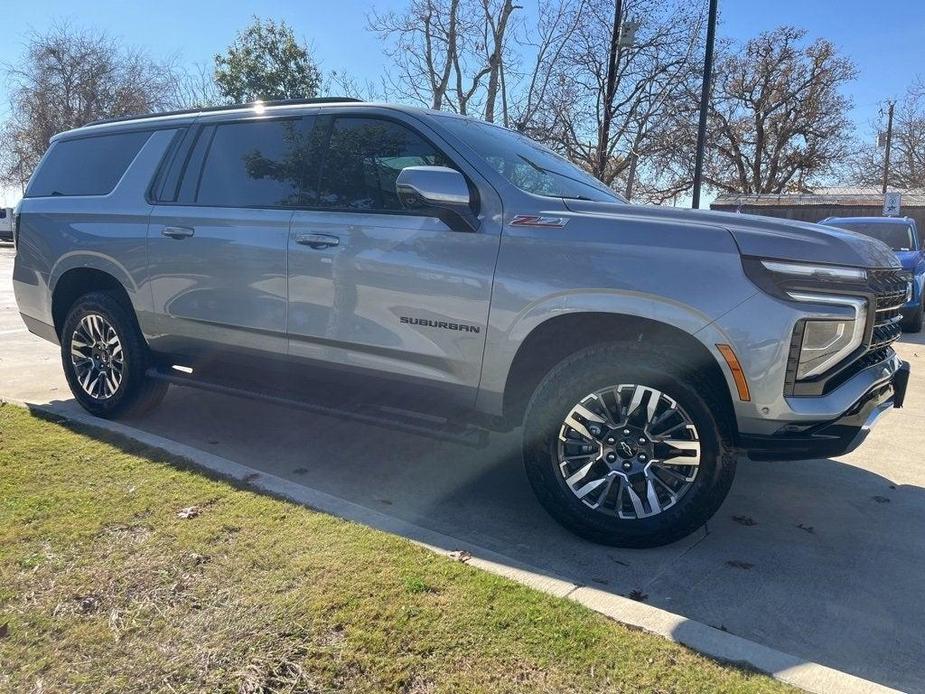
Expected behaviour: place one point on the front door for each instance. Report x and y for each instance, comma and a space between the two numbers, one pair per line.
379, 288
217, 254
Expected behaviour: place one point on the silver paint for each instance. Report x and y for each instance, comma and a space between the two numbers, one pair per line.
248, 279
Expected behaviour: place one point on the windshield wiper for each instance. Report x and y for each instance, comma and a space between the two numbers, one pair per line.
533, 164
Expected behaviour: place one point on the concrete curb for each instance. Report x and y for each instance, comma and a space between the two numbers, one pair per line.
705, 639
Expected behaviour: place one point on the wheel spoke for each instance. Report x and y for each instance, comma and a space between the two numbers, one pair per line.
663, 417
672, 473
602, 497
588, 414
638, 508
687, 451
578, 427
586, 489
651, 496
576, 477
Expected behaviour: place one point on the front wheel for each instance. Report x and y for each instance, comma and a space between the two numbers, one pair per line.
105, 358
624, 448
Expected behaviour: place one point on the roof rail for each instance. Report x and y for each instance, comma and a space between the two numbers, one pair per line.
229, 107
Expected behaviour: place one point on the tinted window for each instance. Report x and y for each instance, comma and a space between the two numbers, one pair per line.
896, 235
88, 166
256, 164
364, 157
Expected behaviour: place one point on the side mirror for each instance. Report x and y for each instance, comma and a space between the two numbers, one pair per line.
440, 189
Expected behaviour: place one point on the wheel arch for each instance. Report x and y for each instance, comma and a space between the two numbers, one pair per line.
78, 281
558, 337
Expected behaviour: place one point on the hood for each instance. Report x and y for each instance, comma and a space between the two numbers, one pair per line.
765, 237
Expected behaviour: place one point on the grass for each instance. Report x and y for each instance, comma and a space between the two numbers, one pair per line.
122, 569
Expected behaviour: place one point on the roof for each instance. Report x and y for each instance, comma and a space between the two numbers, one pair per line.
182, 117
230, 107
849, 196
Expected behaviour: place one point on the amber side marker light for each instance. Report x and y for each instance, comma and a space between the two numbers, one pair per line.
737, 374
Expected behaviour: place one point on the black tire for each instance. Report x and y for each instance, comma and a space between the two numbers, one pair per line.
913, 323
136, 394
599, 367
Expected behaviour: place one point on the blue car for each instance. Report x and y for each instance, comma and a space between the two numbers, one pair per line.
902, 235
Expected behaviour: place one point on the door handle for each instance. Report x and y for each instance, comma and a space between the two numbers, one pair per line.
178, 232
317, 240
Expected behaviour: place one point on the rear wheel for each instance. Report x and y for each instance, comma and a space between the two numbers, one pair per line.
105, 358
624, 448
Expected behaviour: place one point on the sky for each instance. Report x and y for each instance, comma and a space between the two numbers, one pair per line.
886, 39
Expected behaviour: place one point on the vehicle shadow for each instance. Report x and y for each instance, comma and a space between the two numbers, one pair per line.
820, 559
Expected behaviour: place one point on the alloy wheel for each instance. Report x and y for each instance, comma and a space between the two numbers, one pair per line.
629, 451
97, 357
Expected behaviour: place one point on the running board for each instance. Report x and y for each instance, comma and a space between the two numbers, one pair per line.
383, 416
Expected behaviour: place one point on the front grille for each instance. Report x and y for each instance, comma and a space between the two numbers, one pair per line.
890, 288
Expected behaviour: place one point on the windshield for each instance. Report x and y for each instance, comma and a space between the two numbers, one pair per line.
896, 235
527, 164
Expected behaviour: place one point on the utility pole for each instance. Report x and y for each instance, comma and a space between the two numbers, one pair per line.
889, 143
610, 90
631, 176
704, 102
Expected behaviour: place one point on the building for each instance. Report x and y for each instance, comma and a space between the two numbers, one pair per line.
822, 203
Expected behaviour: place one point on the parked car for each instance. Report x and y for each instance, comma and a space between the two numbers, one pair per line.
901, 234
420, 269
6, 224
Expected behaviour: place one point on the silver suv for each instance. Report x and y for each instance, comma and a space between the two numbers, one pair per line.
433, 272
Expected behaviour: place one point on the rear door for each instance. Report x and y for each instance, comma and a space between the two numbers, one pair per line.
217, 245
378, 287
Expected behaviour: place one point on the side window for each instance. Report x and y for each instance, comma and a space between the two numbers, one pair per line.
255, 164
88, 166
363, 159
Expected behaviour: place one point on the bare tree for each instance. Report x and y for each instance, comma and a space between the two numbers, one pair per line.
68, 77
611, 98
907, 155
195, 88
449, 54
778, 120
546, 43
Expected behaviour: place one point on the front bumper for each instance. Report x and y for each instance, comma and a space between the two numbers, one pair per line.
834, 437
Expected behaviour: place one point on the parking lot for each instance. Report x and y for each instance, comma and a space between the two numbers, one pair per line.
823, 559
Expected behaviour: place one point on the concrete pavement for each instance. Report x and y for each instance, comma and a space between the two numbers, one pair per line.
822, 560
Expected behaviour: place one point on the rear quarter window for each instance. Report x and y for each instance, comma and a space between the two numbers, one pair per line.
86, 166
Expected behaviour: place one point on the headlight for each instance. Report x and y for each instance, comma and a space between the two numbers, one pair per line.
825, 342
817, 272
781, 277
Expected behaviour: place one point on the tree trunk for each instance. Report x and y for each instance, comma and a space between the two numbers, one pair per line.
496, 57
